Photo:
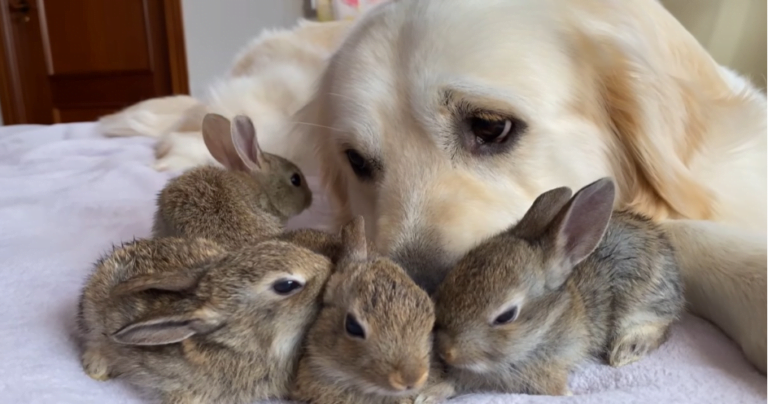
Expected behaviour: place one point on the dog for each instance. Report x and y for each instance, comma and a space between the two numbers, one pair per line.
440, 121
271, 78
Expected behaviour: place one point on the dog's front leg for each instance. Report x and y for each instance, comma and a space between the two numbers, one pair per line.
724, 270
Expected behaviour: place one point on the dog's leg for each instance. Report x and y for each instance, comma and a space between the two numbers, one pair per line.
179, 151
724, 270
153, 117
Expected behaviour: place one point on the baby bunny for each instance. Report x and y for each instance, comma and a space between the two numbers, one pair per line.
247, 203
98, 311
371, 342
180, 318
567, 282
327, 244
318, 241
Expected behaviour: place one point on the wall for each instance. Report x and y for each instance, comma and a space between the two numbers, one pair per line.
733, 31
215, 30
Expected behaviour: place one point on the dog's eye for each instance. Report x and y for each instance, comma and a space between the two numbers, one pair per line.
490, 131
506, 317
285, 287
359, 165
353, 328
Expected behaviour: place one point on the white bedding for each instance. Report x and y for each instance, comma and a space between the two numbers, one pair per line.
67, 195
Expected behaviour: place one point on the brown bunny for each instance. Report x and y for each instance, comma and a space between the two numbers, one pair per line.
568, 281
248, 202
371, 342
178, 317
318, 241
327, 244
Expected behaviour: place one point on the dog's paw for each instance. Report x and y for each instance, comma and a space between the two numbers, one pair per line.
174, 164
180, 151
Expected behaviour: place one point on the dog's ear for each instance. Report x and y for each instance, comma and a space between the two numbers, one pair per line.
655, 81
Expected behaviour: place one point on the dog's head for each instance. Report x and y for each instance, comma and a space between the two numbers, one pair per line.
442, 120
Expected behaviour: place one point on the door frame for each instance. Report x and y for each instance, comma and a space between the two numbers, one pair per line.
11, 101
177, 51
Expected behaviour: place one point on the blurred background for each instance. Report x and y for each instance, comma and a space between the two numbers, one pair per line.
74, 60
733, 31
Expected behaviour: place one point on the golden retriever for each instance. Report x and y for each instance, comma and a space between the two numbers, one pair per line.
442, 120
270, 80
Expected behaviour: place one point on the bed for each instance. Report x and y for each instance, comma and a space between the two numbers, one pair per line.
67, 194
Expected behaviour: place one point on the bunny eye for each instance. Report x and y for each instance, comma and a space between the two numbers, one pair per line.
353, 328
506, 317
285, 287
296, 180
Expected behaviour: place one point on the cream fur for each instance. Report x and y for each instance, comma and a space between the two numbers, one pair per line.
270, 80
733, 257
607, 88
153, 117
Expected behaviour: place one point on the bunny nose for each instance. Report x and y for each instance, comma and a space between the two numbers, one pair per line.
403, 381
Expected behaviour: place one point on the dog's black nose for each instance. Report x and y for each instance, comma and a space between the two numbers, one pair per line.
425, 263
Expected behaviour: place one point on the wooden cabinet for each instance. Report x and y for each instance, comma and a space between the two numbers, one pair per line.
75, 60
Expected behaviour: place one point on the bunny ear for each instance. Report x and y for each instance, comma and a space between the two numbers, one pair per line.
169, 329
578, 228
353, 239
541, 213
172, 282
246, 144
218, 140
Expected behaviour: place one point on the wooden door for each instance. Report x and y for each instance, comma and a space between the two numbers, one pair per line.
76, 60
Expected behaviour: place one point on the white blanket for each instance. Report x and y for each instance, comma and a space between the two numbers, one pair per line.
67, 195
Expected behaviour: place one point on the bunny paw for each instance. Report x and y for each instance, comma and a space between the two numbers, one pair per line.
635, 343
630, 349
424, 399
95, 365
435, 394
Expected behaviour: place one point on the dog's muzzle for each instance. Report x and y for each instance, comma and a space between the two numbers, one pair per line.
426, 263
